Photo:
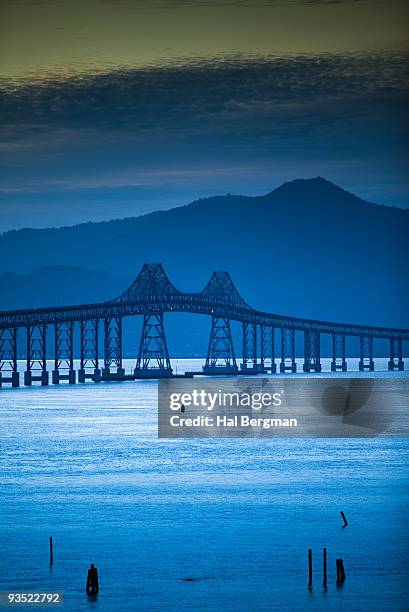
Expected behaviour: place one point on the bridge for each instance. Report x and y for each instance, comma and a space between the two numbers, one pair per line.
150, 296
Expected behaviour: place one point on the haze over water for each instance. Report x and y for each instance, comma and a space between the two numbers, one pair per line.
83, 463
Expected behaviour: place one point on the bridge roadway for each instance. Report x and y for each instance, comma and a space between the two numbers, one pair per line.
152, 294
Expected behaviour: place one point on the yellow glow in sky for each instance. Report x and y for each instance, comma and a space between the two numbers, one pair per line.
38, 36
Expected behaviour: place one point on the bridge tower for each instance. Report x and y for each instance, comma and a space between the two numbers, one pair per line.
288, 350
153, 358
395, 355
152, 285
113, 348
63, 353
338, 353
8, 357
89, 349
220, 354
312, 360
36, 354
366, 358
267, 353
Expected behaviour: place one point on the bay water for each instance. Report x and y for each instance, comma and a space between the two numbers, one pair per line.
206, 524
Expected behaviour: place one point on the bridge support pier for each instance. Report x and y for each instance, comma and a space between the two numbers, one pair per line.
220, 354
89, 347
366, 359
153, 357
63, 353
113, 349
288, 363
338, 353
56, 377
8, 357
250, 364
312, 362
395, 355
36, 356
267, 349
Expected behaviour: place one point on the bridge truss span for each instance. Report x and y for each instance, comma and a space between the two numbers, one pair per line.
150, 296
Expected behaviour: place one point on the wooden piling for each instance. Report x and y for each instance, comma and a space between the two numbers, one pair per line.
310, 568
340, 571
324, 567
92, 587
51, 551
344, 519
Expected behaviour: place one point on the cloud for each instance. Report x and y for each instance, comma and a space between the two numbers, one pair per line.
182, 127
164, 98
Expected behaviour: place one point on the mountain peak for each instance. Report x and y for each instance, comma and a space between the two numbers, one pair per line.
316, 183
316, 191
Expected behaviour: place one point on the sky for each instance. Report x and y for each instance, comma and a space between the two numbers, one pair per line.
117, 108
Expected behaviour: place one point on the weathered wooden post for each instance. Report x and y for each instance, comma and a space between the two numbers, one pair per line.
92, 587
309, 568
324, 567
51, 550
340, 571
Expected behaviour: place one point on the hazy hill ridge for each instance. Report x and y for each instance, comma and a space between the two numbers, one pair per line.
307, 248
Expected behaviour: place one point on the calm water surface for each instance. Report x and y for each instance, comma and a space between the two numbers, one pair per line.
83, 463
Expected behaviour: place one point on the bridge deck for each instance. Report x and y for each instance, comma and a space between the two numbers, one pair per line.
186, 302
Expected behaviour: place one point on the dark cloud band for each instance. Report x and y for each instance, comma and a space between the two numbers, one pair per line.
186, 129
187, 94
